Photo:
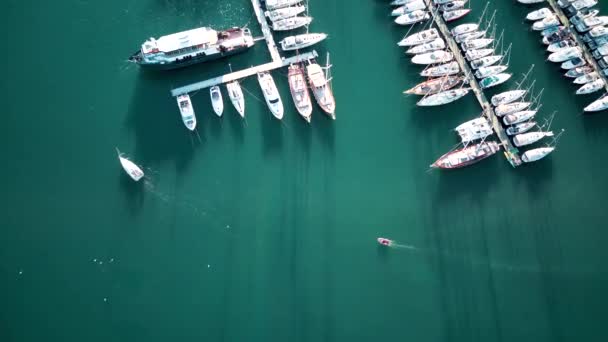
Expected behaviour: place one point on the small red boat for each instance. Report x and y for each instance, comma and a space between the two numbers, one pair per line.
466, 156
385, 242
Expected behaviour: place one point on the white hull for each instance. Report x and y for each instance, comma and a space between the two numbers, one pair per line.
525, 139
434, 57
301, 41
235, 93
539, 14
291, 23
520, 128
472, 55
284, 13
447, 69
598, 105
412, 18
504, 109
130, 168
186, 111
468, 36
591, 87
586, 78
271, 94
573, 63
275, 4
419, 38
443, 98
464, 28
565, 54
436, 44
217, 101
536, 154
507, 97
478, 43
407, 8
545, 23
484, 72
515, 118
485, 61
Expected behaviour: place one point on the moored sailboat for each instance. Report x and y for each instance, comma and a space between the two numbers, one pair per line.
494, 80
435, 85
508, 108
466, 156
301, 41
284, 13
443, 97
517, 117
507, 97
321, 87
520, 128
451, 68
420, 38
436, 44
536, 154
291, 23
299, 91
235, 93
530, 138
484, 72
439, 56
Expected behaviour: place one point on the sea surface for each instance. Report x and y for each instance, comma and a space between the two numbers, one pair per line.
260, 230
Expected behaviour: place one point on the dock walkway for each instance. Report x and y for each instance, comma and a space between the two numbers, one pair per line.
511, 152
272, 47
588, 56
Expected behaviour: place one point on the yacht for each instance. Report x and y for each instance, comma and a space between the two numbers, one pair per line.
520, 128
412, 17
468, 36
420, 38
591, 87
290, 23
565, 54
472, 55
190, 47
409, 7
285, 12
455, 14
474, 44
598, 105
466, 156
474, 130
443, 97
276, 4
480, 121
187, 112
299, 91
321, 88
586, 78
454, 5
508, 108
561, 34
451, 68
562, 44
573, 63
536, 154
581, 4
517, 117
594, 21
235, 93
439, 56
494, 80
435, 85
437, 44
507, 97
271, 94
576, 72
216, 100
539, 14
547, 22
530, 138
130, 167
301, 41
464, 28
598, 31
484, 72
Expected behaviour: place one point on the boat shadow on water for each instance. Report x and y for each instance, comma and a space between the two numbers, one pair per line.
134, 192
154, 119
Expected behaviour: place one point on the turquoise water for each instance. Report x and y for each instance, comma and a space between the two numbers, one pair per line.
265, 230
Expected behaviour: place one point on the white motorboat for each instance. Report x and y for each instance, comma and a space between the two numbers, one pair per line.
409, 7
485, 61
464, 28
412, 17
420, 38
484, 72
517, 117
216, 100
494, 80
565, 54
598, 31
271, 94
580, 4
276, 4
290, 23
453, 5
593, 22
472, 55
480, 121
520, 128
443, 97
562, 44
580, 71
461, 38
130, 167
187, 112
474, 44
299, 91
586, 78
301, 41
547, 22
455, 14
591, 87
507, 97
321, 87
539, 14
530, 138
235, 93
598, 105
436, 44
285, 12
439, 56
536, 154
573, 63
451, 68
508, 108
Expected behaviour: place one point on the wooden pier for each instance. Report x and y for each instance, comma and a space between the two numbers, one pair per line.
511, 152
588, 56
243, 73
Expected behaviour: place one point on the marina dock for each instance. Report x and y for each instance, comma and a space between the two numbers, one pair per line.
511, 152
272, 46
588, 56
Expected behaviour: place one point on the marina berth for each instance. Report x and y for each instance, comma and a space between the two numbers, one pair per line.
536, 154
466, 156
508, 108
186, 111
412, 17
455, 14
472, 55
235, 93
271, 94
130, 167
321, 88
422, 37
461, 38
301, 41
284, 13
545, 23
409, 7
299, 91
484, 72
444, 97
598, 105
276, 4
494, 80
190, 47
539, 14
216, 100
586, 78
435, 85
524, 139
507, 97
591, 87
520, 128
291, 23
451, 68
440, 56
464, 28
437, 44
518, 117
556, 36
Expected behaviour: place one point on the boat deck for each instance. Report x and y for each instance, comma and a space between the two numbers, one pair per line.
588, 56
511, 152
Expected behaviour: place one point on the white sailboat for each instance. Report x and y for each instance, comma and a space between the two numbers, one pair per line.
451, 68
479, 43
436, 44
420, 38
472, 55
536, 154
412, 17
485, 61
507, 97
320, 84
598, 105
284, 13
409, 7
216, 100
187, 112
276, 4
484, 72
299, 91
508, 108
515, 118
291, 23
301, 41
530, 138
464, 28
468, 36
443, 97
591, 87
235, 93
440, 56
520, 128
271, 94
480, 121
130, 168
